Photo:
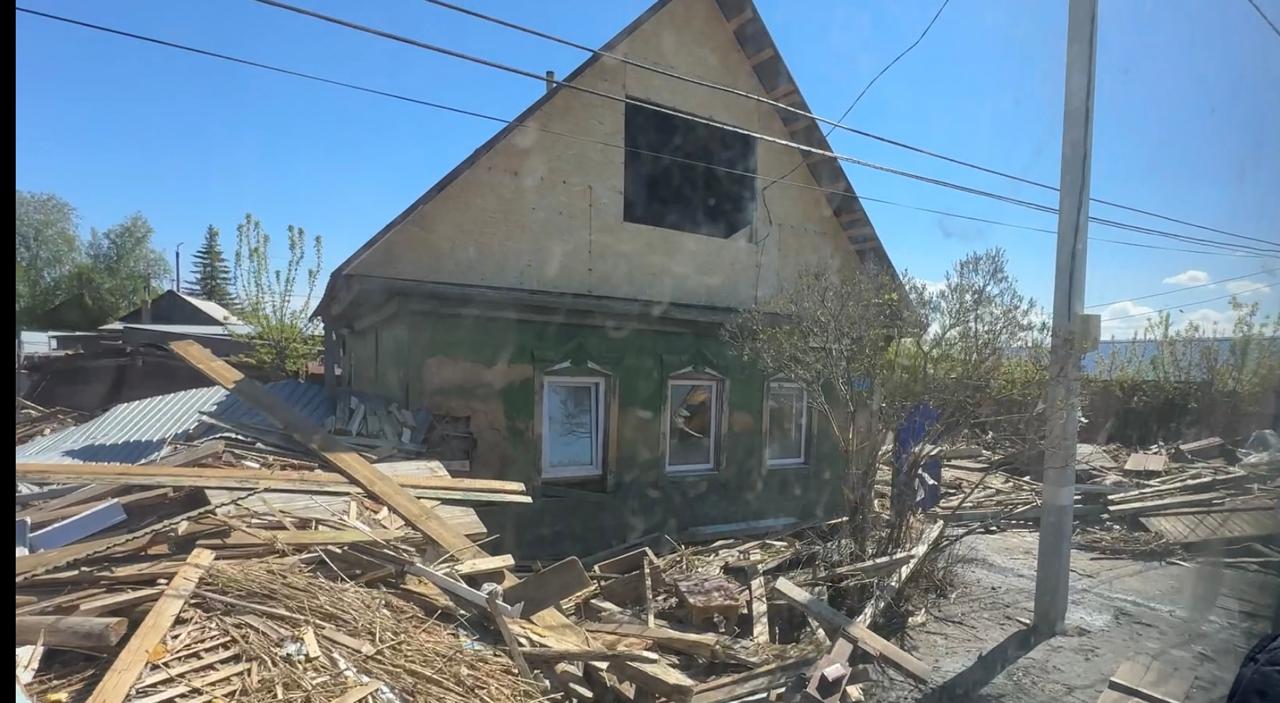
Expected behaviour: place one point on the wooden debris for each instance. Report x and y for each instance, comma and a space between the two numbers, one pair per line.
69, 632
709, 598
1140, 462
548, 587
119, 679
546, 654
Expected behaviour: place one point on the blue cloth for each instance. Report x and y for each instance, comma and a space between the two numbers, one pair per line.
915, 427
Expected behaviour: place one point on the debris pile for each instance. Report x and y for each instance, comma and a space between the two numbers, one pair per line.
34, 421
1197, 496
286, 564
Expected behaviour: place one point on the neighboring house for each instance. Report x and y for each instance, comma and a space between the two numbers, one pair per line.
568, 295
174, 308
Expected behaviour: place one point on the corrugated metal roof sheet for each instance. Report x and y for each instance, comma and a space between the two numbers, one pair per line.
134, 432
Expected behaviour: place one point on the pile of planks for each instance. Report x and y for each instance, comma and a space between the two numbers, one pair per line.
33, 421
251, 571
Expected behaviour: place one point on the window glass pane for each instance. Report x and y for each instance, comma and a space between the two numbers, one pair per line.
786, 422
571, 425
692, 424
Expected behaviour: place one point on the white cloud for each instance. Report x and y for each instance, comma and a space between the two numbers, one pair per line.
1135, 319
1190, 277
1208, 319
1247, 287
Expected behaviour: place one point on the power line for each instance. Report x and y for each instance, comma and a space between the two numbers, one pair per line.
1186, 305
503, 121
729, 127
833, 124
872, 82
1210, 284
1264, 17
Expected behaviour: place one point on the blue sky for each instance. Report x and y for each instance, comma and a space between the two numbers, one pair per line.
1188, 99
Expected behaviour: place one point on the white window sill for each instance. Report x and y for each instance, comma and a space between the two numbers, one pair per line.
787, 465
586, 476
692, 473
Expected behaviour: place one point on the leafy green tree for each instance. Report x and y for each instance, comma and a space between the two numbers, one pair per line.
283, 334
211, 274
47, 250
868, 349
123, 266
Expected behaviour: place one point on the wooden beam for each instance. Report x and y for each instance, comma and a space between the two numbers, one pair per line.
119, 679
69, 632
588, 655
440, 488
838, 622
890, 587
487, 565
307, 538
760, 680
192, 455
659, 679
548, 587
738, 21
1135, 691
765, 55
513, 646
132, 501
784, 92
116, 601
358, 693
347, 462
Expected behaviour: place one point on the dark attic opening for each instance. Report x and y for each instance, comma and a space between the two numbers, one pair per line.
686, 175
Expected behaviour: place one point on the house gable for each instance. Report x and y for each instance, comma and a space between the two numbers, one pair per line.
536, 210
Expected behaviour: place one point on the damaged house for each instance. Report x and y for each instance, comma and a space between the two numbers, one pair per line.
564, 288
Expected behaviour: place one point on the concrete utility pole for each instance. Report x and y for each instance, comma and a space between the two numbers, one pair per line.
1069, 323
177, 268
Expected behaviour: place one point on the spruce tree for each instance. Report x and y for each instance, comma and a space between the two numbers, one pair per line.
211, 274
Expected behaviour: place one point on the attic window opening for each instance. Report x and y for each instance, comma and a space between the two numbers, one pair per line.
680, 192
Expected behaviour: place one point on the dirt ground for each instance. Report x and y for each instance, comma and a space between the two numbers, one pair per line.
1200, 617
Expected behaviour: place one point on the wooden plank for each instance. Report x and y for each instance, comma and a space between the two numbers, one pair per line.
487, 565
884, 594
1135, 691
334, 452
440, 488
459, 589
61, 601
513, 646
887, 652
192, 455
119, 679
704, 646
836, 621
759, 680
1152, 506
1146, 462
358, 693
1194, 485
625, 563
827, 617
69, 632
300, 538
82, 495
200, 684
659, 679
116, 601
1192, 528
1173, 682
548, 654
548, 587
1131, 670
744, 16
554, 628
172, 672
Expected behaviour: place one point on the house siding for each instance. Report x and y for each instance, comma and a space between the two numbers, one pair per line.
487, 368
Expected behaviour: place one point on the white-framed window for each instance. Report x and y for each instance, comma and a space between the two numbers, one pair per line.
693, 424
786, 424
572, 426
